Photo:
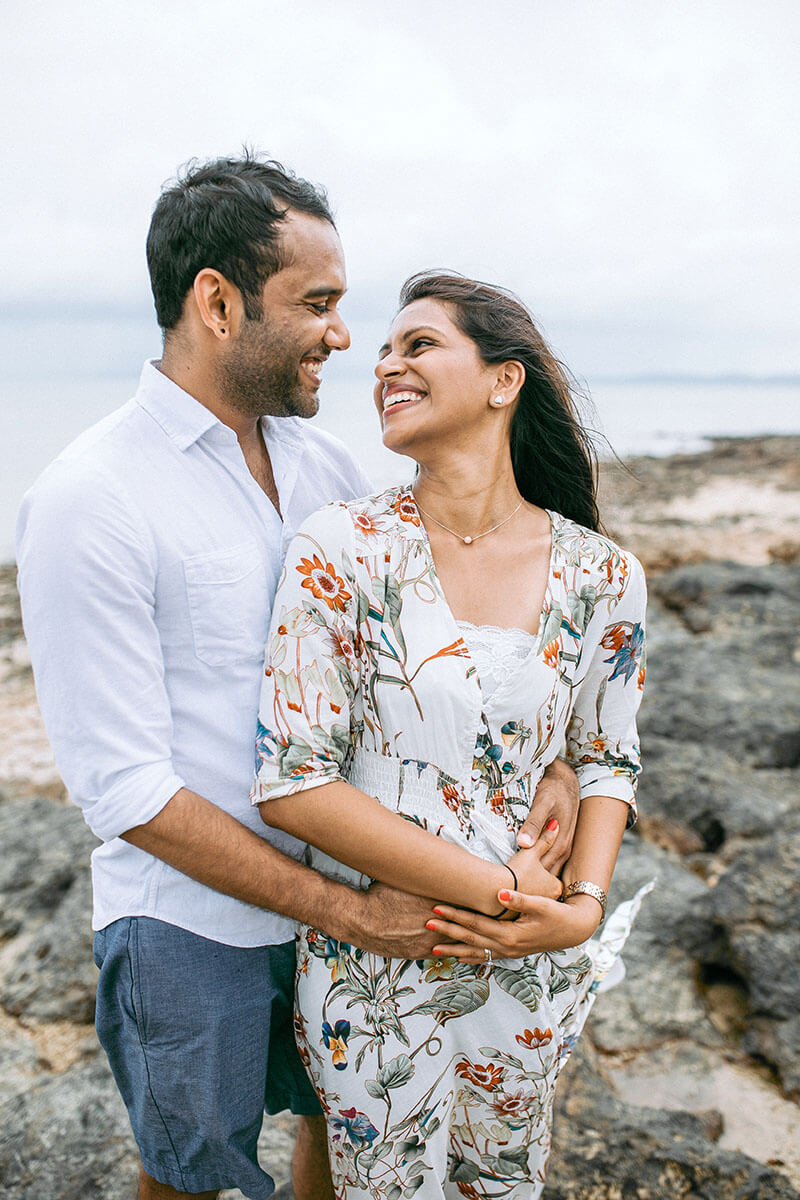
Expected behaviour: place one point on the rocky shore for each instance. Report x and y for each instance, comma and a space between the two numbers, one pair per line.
687, 1081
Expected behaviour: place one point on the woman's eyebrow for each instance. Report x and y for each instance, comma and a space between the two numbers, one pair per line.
409, 333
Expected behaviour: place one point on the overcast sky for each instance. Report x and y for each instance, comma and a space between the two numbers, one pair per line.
631, 169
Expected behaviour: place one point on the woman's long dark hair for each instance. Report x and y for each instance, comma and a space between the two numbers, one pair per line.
554, 461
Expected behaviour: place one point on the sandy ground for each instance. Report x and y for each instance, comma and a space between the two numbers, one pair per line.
737, 502
756, 1118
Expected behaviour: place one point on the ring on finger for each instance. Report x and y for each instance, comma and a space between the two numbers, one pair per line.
487, 954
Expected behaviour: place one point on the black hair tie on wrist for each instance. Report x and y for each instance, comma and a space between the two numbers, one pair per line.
501, 916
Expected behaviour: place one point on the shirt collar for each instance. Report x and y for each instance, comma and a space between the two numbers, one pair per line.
182, 418
185, 420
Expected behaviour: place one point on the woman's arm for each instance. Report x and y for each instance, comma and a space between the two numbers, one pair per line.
602, 745
545, 924
356, 829
557, 797
311, 681
598, 836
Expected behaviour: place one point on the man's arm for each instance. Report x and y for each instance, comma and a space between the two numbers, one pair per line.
201, 840
87, 572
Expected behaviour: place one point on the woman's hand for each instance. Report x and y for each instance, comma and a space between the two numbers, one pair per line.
545, 924
533, 878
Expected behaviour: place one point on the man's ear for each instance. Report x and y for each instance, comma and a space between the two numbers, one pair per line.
218, 302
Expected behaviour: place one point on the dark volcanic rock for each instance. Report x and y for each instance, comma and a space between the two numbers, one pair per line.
728, 677
606, 1150
659, 998
700, 789
756, 912
45, 900
719, 692
45, 846
49, 972
68, 1138
721, 739
724, 596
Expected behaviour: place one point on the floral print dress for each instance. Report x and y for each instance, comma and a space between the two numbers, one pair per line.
437, 1077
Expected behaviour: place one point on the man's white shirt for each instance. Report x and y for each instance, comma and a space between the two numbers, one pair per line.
148, 560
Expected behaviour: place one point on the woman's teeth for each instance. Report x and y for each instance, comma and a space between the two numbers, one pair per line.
399, 398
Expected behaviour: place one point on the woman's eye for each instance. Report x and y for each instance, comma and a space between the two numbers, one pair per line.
420, 343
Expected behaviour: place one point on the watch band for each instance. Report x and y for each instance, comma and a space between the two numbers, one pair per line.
586, 888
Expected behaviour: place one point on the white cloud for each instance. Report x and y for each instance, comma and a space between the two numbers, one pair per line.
624, 167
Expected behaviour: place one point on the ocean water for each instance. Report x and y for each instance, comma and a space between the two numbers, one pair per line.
41, 415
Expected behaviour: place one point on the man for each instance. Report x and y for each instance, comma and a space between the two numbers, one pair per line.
148, 555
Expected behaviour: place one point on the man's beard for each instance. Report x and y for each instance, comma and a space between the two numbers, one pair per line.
259, 376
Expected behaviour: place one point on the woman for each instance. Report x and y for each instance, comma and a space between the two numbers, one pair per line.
433, 649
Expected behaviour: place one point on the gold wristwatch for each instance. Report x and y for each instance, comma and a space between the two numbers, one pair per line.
586, 888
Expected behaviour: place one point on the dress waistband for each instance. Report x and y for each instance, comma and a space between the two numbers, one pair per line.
419, 790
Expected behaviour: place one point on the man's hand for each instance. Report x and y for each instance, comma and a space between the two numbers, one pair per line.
557, 797
385, 921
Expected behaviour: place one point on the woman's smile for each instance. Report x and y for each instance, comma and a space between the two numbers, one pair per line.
399, 394
427, 358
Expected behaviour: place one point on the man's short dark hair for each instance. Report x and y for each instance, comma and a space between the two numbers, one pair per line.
225, 214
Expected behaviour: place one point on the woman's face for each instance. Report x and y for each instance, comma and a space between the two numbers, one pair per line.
432, 383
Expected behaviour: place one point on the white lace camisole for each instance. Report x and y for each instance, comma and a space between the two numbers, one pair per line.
496, 652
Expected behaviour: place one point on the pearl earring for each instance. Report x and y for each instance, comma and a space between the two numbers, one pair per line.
498, 401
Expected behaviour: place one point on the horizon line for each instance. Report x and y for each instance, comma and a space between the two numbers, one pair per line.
678, 378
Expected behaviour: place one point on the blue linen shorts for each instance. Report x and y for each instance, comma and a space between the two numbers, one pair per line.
199, 1037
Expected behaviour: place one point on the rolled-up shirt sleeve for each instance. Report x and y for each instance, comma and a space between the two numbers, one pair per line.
602, 742
87, 570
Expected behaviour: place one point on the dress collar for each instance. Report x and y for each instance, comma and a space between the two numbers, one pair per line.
402, 508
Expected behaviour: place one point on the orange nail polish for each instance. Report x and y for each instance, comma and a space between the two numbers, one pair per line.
552, 824
504, 896
438, 912
435, 951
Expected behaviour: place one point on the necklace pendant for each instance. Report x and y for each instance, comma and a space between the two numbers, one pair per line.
467, 541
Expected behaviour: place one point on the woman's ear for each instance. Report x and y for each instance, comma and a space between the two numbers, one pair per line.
510, 378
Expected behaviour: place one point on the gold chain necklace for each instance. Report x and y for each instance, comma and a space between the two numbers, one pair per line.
468, 540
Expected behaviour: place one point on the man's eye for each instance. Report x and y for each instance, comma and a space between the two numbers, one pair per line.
321, 308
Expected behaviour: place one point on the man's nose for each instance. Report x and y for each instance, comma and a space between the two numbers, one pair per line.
337, 335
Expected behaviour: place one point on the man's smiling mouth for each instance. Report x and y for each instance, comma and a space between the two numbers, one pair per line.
313, 366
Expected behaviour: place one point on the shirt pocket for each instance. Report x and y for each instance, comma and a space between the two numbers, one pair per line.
226, 593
